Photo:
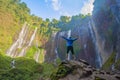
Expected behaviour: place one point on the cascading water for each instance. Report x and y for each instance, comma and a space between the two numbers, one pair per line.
98, 56
23, 52
33, 36
18, 43
36, 56
55, 49
69, 35
116, 13
20, 46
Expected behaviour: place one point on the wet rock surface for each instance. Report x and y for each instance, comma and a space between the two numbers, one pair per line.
81, 70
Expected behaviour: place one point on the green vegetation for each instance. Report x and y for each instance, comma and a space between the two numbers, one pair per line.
47, 70
13, 13
25, 69
30, 53
60, 72
117, 64
4, 62
109, 62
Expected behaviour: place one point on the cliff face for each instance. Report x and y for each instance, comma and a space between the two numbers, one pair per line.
98, 35
106, 17
85, 47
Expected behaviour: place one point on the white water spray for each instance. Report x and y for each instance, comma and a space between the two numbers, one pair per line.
69, 35
33, 36
36, 56
98, 56
18, 43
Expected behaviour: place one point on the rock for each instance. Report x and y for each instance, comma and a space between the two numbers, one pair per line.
83, 61
98, 78
80, 70
117, 76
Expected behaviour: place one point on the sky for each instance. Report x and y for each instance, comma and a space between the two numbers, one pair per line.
56, 8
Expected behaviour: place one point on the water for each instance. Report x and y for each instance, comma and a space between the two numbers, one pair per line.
37, 55
32, 37
22, 53
114, 9
56, 52
69, 35
22, 35
18, 43
98, 56
115, 12
56, 49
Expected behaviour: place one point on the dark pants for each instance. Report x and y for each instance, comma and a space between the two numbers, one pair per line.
70, 48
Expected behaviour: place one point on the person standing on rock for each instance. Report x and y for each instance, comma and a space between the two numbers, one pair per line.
70, 41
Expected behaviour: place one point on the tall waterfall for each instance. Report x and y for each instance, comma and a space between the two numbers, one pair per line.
19, 42
69, 35
116, 13
98, 56
36, 56
20, 46
55, 49
32, 37
23, 52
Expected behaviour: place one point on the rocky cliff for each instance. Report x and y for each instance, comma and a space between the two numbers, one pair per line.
106, 17
98, 35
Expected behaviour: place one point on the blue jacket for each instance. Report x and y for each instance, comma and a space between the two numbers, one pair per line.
69, 40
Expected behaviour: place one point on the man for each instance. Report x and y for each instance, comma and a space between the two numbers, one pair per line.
70, 45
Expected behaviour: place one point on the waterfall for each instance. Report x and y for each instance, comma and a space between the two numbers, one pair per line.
56, 52
69, 35
33, 36
85, 50
20, 46
23, 52
56, 47
18, 43
98, 56
36, 56
115, 11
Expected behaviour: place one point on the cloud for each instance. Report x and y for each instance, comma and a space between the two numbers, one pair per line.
88, 7
56, 5
46, 1
64, 13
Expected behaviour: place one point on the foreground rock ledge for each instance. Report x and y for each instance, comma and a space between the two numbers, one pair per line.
81, 70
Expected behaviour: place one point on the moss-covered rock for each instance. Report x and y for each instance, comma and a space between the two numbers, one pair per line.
25, 69
60, 72
107, 65
117, 64
80, 70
